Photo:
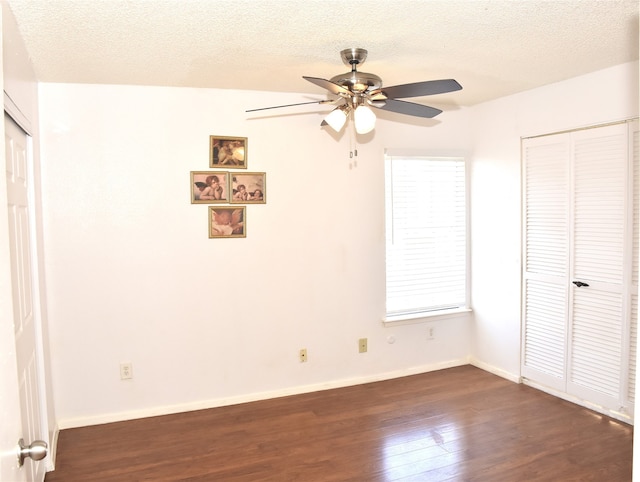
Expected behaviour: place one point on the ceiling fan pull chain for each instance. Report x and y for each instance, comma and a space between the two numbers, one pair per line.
353, 148
355, 143
350, 147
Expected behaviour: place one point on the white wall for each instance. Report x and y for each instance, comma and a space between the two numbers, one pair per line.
133, 277
601, 97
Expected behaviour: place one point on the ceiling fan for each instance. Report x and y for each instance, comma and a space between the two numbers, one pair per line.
358, 91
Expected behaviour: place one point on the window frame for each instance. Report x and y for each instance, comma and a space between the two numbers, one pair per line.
448, 313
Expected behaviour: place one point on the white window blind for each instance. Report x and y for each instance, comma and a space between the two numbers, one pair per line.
426, 234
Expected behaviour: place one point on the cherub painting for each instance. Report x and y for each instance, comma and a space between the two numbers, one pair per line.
209, 187
228, 152
248, 187
227, 222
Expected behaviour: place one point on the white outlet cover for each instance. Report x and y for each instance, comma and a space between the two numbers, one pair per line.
126, 371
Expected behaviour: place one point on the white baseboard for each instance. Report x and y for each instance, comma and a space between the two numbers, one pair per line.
252, 397
496, 371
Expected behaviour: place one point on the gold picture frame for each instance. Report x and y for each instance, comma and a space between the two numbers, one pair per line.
227, 222
228, 152
248, 187
209, 187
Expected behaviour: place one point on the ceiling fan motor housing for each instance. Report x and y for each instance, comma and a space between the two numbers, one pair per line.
358, 81
355, 81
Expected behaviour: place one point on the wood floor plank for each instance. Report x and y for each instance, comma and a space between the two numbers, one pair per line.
459, 424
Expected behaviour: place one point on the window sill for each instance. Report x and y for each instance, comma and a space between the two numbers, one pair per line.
425, 317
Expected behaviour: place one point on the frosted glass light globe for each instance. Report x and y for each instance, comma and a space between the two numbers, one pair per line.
364, 119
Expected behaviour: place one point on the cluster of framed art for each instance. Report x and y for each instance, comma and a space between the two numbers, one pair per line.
231, 188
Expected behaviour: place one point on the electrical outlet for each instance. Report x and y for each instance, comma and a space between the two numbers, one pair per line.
362, 345
303, 355
431, 333
126, 371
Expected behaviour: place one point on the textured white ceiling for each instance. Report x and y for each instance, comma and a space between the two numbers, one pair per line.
492, 47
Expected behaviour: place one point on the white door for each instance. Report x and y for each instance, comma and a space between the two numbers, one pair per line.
579, 309
29, 416
599, 313
634, 149
546, 259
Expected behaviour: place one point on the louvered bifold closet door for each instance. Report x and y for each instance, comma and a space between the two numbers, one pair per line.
634, 147
546, 259
598, 332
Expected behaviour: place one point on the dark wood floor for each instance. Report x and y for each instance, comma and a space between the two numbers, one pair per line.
459, 424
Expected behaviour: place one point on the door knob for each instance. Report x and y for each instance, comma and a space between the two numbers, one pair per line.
37, 451
580, 284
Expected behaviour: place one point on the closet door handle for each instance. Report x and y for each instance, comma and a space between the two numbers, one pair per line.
580, 284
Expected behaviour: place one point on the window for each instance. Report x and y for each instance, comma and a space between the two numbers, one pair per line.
426, 236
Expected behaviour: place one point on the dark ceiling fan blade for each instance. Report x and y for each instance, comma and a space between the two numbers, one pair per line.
410, 108
291, 105
418, 89
327, 84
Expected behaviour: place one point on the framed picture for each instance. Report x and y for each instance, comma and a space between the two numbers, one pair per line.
228, 152
248, 187
227, 222
209, 187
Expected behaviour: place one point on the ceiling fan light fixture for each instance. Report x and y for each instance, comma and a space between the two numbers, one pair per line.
364, 119
337, 118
